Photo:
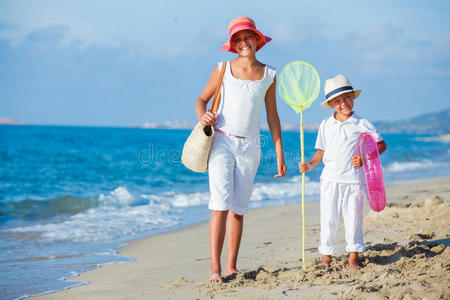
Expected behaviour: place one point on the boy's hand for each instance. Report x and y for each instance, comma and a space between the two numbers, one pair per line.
357, 161
304, 167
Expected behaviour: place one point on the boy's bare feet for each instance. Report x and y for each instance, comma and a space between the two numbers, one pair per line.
326, 260
353, 261
215, 278
230, 272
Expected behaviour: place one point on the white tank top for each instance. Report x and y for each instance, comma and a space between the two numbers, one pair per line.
241, 102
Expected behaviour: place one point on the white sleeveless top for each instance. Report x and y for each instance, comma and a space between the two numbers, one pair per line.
241, 102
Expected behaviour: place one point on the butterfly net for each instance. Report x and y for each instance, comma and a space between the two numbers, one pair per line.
299, 85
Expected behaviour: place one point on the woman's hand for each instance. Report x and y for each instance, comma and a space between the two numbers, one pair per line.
304, 167
357, 161
281, 168
208, 118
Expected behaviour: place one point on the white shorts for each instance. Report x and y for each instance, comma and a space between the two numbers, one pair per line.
233, 163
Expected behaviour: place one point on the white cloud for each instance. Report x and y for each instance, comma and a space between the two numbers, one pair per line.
390, 49
284, 32
175, 50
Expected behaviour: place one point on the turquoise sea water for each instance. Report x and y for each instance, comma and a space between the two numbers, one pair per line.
70, 196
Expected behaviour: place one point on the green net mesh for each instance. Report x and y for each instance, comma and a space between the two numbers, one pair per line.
299, 85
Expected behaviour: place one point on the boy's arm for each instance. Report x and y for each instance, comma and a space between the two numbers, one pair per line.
381, 147
308, 166
357, 160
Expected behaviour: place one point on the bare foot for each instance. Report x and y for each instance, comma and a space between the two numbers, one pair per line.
230, 272
215, 278
326, 260
353, 261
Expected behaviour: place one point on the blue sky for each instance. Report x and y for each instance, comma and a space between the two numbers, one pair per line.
122, 63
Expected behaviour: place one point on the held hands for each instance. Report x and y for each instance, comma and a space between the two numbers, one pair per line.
208, 118
357, 161
304, 167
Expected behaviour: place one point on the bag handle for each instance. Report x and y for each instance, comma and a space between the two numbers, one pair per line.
216, 99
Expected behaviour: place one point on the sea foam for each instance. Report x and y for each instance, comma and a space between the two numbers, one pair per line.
116, 218
396, 166
118, 197
289, 188
279, 189
122, 214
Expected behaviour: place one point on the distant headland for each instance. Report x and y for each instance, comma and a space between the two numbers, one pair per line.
432, 123
437, 123
10, 121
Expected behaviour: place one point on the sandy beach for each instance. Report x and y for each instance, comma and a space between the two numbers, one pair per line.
407, 257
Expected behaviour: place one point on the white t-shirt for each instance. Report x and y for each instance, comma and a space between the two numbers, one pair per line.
241, 102
339, 140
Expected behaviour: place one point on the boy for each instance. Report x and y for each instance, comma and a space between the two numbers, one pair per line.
342, 179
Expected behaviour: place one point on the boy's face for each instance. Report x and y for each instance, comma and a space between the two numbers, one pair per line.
343, 104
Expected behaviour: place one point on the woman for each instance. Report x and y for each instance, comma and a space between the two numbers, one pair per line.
235, 153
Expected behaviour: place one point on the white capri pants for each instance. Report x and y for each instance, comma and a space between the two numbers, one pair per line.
233, 163
335, 197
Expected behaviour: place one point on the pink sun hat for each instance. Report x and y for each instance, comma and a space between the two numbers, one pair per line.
244, 23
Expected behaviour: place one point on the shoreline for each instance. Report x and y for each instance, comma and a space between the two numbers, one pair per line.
171, 265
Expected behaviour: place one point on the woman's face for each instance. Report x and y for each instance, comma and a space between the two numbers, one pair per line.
244, 42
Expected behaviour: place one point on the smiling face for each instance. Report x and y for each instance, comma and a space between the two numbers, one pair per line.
245, 42
343, 104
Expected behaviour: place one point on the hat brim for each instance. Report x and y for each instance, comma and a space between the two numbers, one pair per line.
356, 93
263, 39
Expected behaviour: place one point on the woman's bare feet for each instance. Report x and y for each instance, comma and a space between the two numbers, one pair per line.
215, 278
326, 260
353, 261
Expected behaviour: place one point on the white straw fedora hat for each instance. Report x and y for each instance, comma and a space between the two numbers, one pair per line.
337, 86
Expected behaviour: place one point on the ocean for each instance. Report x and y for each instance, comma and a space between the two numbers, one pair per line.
71, 196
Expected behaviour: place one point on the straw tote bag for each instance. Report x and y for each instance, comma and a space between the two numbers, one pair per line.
198, 145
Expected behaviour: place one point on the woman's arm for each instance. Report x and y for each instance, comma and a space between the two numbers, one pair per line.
205, 117
275, 128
